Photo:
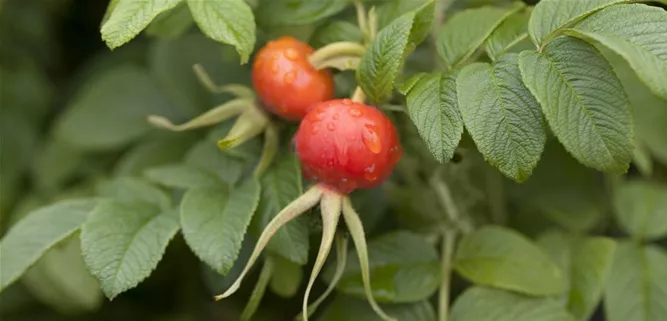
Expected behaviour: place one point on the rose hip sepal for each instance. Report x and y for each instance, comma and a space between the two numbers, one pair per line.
286, 82
345, 145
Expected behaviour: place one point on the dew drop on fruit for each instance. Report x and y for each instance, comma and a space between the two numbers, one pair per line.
289, 77
371, 139
355, 112
346, 102
331, 126
369, 173
335, 116
275, 69
291, 54
314, 129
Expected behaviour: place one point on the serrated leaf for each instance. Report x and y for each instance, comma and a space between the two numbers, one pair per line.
345, 308
207, 156
151, 153
214, 220
551, 16
404, 268
335, 31
583, 102
134, 190
227, 21
297, 12
61, 280
390, 10
181, 176
641, 209
129, 17
636, 32
467, 30
40, 230
502, 116
433, 107
286, 277
171, 24
122, 243
485, 304
382, 62
499, 257
587, 264
281, 184
509, 33
110, 110
638, 284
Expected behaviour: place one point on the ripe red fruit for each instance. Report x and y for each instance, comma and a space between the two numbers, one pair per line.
347, 145
286, 82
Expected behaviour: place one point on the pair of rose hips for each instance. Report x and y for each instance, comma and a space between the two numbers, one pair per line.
343, 144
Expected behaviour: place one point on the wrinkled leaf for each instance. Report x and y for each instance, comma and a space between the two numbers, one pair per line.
181, 176
122, 243
502, 116
638, 284
583, 102
227, 21
433, 107
336, 31
40, 230
133, 190
501, 258
173, 23
509, 33
297, 12
128, 17
404, 268
214, 220
485, 304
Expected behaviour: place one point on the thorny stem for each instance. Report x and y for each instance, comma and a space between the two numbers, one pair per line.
448, 240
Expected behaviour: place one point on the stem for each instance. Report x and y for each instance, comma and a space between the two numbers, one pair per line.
448, 240
258, 291
334, 50
447, 201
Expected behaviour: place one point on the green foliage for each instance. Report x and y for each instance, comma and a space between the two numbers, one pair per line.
532, 184
588, 114
637, 284
501, 115
499, 257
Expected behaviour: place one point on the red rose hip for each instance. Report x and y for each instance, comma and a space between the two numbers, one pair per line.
347, 145
286, 82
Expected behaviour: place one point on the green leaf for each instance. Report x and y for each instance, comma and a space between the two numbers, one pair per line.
171, 24
151, 153
207, 156
281, 184
638, 284
128, 17
509, 33
636, 32
501, 258
404, 268
587, 264
551, 16
55, 164
61, 280
214, 220
583, 102
286, 277
381, 63
433, 107
297, 12
336, 31
110, 111
345, 308
181, 176
122, 243
502, 116
227, 21
388, 11
641, 209
133, 190
40, 230
562, 190
484, 304
465, 31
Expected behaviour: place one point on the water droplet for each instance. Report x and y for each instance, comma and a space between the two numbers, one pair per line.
370, 174
291, 54
371, 139
335, 116
275, 68
315, 129
355, 112
352, 138
289, 76
331, 126
347, 102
